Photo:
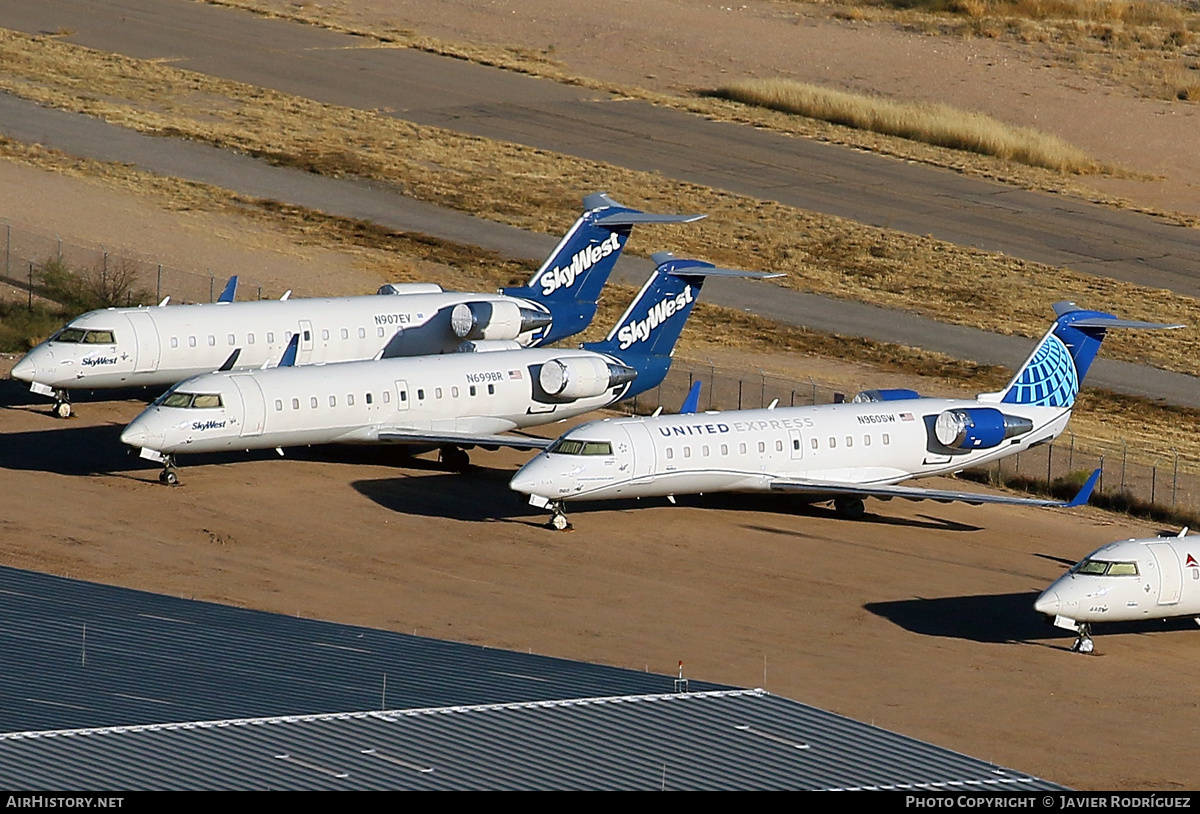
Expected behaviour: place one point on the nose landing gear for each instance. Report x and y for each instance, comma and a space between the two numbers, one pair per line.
62, 404
168, 475
1084, 643
558, 517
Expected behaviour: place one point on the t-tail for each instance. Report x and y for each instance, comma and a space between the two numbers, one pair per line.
645, 336
1053, 373
569, 283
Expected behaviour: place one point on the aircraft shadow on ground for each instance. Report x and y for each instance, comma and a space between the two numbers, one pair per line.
998, 619
68, 450
478, 495
15, 395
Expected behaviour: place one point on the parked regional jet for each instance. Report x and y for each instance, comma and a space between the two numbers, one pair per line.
454, 401
1126, 581
843, 452
133, 347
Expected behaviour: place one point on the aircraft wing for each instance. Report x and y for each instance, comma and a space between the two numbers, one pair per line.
886, 492
464, 439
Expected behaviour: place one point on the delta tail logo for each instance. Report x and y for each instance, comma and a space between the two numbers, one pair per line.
640, 330
564, 276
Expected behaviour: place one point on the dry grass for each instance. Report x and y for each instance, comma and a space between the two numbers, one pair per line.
1146, 45
936, 124
531, 189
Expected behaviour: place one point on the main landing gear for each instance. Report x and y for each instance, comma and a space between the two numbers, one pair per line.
455, 458
851, 508
1084, 643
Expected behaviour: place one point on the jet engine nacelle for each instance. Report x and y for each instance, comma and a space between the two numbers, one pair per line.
494, 320
977, 427
410, 288
579, 377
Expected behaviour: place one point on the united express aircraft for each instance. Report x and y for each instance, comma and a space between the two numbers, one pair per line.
453, 402
133, 347
1127, 581
838, 452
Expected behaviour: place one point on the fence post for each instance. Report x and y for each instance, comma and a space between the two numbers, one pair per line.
1175, 478
739, 394
1153, 480
712, 382
212, 281
1049, 461
260, 292
158, 285
762, 395
793, 404
1124, 451
30, 285
7, 248
1100, 483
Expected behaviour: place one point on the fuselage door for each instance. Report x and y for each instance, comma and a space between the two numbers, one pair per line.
402, 396
1169, 573
145, 339
255, 404
304, 351
643, 458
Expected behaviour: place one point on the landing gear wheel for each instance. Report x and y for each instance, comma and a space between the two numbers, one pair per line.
852, 508
1084, 643
169, 477
558, 520
455, 458
62, 409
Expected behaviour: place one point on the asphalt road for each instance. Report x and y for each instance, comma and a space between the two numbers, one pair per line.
427, 89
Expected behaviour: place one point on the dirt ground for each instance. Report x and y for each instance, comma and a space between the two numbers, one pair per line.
679, 46
918, 619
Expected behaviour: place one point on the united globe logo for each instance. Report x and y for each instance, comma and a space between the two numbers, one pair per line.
1049, 380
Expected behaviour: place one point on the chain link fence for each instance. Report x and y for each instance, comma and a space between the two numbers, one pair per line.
1172, 482
27, 254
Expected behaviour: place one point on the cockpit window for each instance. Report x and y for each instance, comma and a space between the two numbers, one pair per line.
569, 446
68, 335
192, 400
78, 335
1102, 568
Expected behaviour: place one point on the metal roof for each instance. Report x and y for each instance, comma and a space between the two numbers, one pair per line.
107, 688
79, 654
740, 739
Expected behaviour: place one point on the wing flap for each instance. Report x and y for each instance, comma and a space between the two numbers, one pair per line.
888, 491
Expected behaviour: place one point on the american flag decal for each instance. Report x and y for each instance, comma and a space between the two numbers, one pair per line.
514, 374
906, 417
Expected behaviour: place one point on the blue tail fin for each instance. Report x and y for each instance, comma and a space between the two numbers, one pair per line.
692, 403
569, 283
644, 338
1052, 374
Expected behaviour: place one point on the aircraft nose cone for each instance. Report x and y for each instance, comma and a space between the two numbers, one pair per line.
530, 479
135, 434
1048, 603
521, 483
25, 369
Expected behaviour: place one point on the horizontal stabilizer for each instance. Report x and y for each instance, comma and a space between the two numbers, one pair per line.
631, 218
698, 268
464, 439
940, 495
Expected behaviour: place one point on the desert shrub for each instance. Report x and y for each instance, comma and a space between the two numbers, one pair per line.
108, 284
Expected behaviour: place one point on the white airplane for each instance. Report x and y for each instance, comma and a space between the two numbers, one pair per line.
1126, 581
452, 401
133, 347
843, 452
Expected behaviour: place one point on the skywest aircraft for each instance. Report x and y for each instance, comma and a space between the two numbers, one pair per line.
1126, 581
843, 452
453, 401
133, 347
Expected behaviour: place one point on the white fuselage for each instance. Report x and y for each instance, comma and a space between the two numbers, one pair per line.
134, 347
749, 450
1154, 578
359, 402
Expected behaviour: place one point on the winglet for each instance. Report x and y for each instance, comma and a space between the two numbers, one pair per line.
230, 290
231, 361
1085, 492
289, 356
692, 402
